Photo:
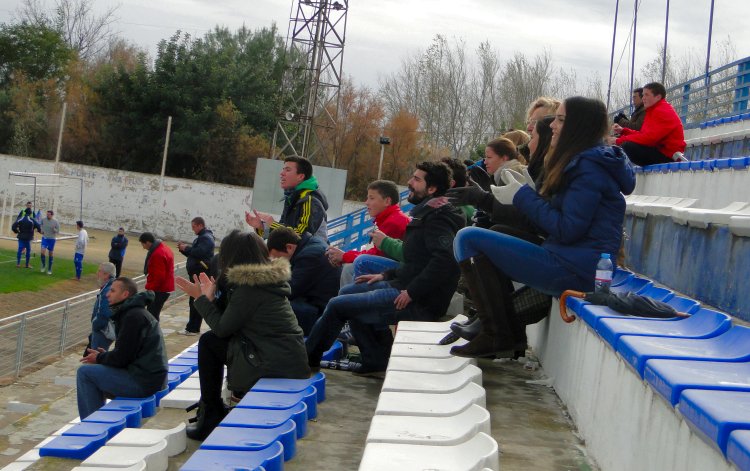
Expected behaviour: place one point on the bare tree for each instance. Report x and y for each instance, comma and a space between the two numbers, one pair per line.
84, 31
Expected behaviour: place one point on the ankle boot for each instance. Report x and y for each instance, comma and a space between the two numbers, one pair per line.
467, 331
206, 420
470, 320
494, 306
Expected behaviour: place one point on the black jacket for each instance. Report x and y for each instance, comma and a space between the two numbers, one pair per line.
314, 279
139, 346
429, 272
305, 211
119, 244
24, 228
201, 251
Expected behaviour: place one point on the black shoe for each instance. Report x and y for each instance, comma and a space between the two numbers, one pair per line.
206, 420
368, 371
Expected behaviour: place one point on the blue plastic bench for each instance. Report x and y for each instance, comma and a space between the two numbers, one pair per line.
76, 447
716, 413
738, 449
657, 293
189, 362
268, 418
635, 285
703, 324
285, 385
182, 370
270, 458
682, 304
253, 439
670, 378
91, 429
733, 345
132, 411
147, 405
272, 400
621, 276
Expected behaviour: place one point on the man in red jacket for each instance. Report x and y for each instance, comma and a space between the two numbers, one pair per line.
661, 135
159, 271
383, 206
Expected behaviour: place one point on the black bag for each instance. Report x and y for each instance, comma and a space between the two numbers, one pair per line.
530, 305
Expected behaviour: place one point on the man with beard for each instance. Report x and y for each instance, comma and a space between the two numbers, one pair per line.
419, 289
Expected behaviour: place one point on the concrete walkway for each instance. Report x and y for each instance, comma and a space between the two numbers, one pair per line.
528, 420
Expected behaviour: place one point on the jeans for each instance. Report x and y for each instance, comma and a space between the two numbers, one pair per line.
78, 262
361, 304
195, 319
94, 381
644, 155
521, 261
23, 245
371, 264
154, 308
97, 339
305, 313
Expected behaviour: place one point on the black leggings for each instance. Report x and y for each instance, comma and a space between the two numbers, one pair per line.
212, 356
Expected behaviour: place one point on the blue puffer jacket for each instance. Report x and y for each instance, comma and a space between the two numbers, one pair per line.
584, 219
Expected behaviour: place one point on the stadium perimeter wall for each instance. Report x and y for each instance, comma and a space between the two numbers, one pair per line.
114, 198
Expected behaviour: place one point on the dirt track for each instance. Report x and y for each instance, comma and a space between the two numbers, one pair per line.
14, 303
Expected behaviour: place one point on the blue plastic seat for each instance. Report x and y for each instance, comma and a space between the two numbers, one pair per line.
703, 324
273, 400
334, 353
147, 404
682, 304
253, 439
657, 294
182, 370
739, 163
670, 378
738, 449
284, 385
683, 166
716, 413
635, 285
268, 418
733, 345
621, 276
174, 380
192, 363
722, 164
76, 447
188, 355
160, 395
270, 458
108, 417
92, 429
696, 165
133, 415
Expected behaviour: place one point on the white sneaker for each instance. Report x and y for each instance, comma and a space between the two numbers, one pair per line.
187, 333
41, 270
49, 272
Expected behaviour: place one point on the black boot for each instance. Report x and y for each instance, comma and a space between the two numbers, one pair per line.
499, 336
206, 420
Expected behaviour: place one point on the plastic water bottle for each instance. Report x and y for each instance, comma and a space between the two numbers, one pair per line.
603, 278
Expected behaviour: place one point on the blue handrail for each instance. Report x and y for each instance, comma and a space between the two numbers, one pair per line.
350, 231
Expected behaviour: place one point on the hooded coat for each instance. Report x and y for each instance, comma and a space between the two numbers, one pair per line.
265, 340
584, 218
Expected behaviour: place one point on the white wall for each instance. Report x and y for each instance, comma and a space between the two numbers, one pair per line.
114, 198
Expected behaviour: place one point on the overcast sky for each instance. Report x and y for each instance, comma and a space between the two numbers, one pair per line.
578, 33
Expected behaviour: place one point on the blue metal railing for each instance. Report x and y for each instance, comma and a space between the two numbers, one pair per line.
350, 231
721, 93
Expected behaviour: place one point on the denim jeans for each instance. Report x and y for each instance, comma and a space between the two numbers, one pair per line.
362, 304
520, 260
368, 264
78, 263
305, 313
97, 339
94, 381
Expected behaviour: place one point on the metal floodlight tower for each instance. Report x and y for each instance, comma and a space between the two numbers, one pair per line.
311, 83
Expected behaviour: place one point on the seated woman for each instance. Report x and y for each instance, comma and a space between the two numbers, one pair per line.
253, 328
539, 146
579, 206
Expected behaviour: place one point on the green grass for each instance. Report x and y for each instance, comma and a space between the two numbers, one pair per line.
14, 279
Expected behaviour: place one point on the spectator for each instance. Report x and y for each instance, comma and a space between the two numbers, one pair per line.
580, 206
159, 271
22, 213
137, 366
80, 250
102, 329
314, 280
521, 140
382, 203
199, 255
539, 146
253, 329
24, 229
118, 246
305, 205
421, 288
49, 229
459, 181
538, 109
661, 136
639, 113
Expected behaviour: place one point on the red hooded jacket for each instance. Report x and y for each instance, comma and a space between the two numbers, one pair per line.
392, 221
662, 128
160, 277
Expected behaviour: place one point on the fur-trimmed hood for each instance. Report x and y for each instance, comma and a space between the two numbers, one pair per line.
268, 274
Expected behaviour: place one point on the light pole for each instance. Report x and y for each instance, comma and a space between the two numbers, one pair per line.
384, 141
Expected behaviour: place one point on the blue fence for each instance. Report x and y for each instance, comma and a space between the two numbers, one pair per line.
350, 231
722, 93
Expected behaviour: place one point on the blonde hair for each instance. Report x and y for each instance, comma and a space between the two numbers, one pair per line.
517, 137
549, 104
